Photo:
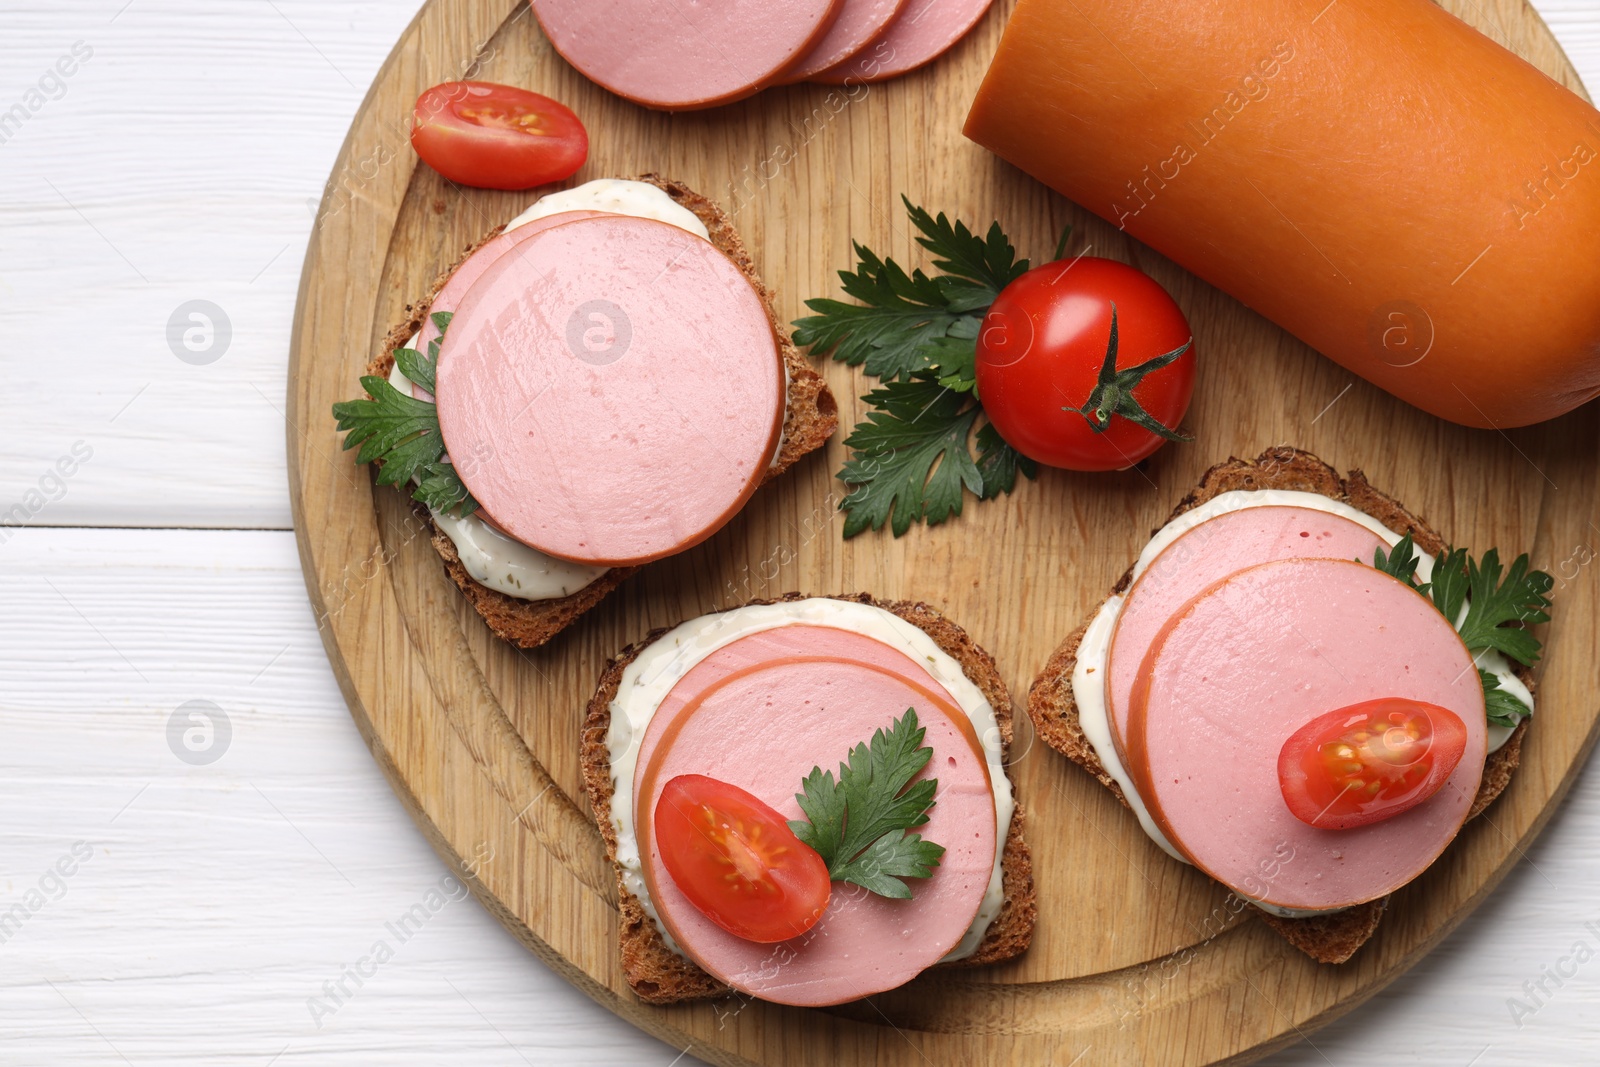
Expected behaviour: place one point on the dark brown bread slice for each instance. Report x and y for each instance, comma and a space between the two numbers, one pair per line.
1329, 938
811, 417
659, 975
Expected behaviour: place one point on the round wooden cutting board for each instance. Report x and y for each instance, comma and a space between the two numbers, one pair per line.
1137, 959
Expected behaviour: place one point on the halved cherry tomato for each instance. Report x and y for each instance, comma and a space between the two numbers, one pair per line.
1044, 377
496, 136
737, 861
1368, 762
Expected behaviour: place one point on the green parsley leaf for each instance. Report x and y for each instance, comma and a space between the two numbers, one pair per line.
976, 268
418, 368
998, 463
441, 488
1495, 608
1503, 708
956, 361
1400, 562
1449, 586
901, 315
911, 457
858, 822
402, 432
441, 322
1484, 610
889, 859
898, 315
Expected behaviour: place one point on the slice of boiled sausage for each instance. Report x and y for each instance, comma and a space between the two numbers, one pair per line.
924, 31
1211, 551
1246, 664
680, 55
763, 729
858, 25
612, 391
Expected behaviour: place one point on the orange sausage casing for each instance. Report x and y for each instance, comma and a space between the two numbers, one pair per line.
1376, 177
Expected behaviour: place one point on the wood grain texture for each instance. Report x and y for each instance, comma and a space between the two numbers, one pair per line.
481, 740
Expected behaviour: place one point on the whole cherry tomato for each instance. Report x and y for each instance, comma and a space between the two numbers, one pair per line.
1085, 364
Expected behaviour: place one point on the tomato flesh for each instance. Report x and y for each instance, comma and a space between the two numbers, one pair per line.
1041, 348
737, 861
496, 136
1368, 762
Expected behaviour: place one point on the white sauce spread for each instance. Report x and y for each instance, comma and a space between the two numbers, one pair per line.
615, 196
1089, 675
649, 678
492, 559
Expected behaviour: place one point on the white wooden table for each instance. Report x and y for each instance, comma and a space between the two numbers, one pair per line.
158, 908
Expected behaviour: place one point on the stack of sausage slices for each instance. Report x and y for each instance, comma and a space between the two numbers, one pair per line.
1298, 689
680, 57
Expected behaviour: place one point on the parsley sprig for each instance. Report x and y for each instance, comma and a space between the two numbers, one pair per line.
917, 333
1490, 607
859, 822
902, 316
402, 432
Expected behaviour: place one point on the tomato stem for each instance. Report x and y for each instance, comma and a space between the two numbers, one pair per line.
1113, 393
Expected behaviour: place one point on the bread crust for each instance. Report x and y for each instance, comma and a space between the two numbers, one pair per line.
810, 419
659, 975
1328, 938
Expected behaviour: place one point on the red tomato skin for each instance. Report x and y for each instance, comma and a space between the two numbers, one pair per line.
1316, 798
499, 154
790, 888
1041, 347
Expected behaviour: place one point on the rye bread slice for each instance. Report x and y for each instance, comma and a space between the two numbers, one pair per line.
1328, 938
811, 417
659, 975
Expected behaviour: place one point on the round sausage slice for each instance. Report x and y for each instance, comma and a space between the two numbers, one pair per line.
763, 729
1211, 551
679, 55
612, 391
1246, 664
924, 31
858, 25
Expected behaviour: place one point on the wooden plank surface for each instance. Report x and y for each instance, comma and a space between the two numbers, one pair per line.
214, 964
479, 739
